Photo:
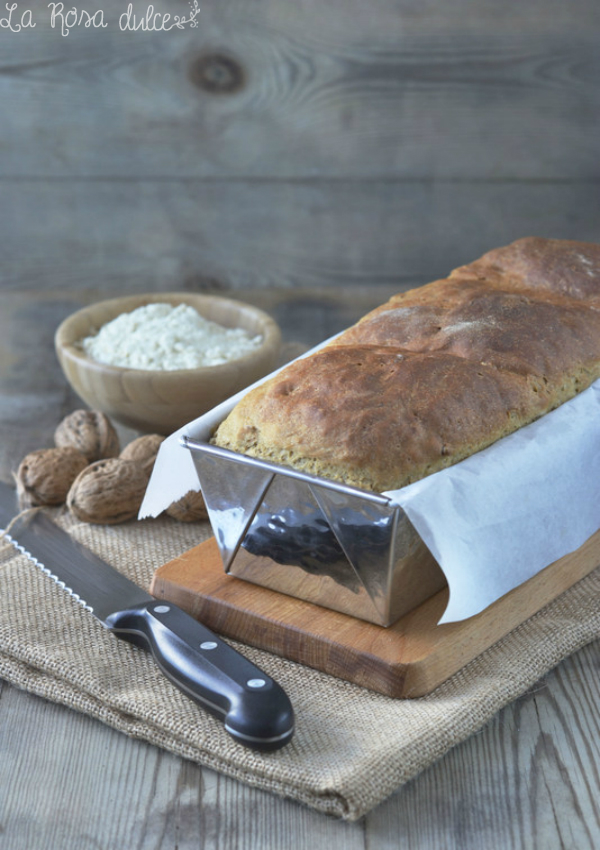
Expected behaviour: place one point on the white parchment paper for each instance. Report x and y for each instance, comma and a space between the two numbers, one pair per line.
492, 521
499, 517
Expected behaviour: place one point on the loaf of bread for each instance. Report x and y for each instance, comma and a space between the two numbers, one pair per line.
436, 374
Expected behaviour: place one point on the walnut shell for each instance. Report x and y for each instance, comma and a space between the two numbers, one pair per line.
190, 508
89, 431
45, 476
143, 451
108, 491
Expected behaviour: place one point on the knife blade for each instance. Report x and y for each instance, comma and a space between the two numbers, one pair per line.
254, 708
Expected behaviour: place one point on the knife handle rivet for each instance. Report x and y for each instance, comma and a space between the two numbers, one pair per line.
256, 683
161, 609
208, 644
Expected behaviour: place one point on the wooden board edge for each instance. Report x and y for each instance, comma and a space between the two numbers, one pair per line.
367, 669
407, 660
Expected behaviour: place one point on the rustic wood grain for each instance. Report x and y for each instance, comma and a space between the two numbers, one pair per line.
529, 780
147, 235
296, 144
434, 91
407, 660
69, 782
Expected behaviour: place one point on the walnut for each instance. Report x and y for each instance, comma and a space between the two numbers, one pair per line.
143, 451
89, 431
190, 508
108, 491
45, 476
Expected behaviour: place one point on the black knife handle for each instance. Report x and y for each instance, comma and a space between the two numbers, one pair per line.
255, 709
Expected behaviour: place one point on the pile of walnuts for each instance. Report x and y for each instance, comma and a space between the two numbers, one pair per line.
87, 470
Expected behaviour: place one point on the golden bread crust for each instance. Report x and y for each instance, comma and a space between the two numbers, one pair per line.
437, 373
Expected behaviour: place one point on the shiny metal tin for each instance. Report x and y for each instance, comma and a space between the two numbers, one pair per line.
336, 546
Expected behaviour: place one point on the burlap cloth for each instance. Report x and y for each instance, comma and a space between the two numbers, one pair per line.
352, 747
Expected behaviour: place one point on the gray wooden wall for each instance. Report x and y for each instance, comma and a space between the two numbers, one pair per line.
295, 142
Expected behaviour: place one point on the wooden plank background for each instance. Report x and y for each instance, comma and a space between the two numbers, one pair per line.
295, 144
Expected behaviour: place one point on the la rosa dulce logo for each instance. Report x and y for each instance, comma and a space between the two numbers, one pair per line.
64, 19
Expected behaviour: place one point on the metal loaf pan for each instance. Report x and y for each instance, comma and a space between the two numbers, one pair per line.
343, 548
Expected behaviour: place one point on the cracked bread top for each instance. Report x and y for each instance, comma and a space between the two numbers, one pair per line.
436, 374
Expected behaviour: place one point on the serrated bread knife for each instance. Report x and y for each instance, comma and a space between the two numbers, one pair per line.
256, 711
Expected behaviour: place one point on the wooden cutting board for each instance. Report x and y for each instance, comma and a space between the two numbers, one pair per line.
408, 659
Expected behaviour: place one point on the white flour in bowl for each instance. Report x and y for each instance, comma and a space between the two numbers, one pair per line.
164, 337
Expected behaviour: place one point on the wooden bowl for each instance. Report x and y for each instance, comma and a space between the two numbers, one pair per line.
160, 402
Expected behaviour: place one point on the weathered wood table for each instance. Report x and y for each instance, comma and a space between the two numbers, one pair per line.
531, 778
